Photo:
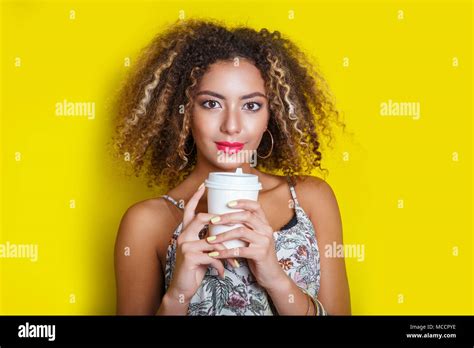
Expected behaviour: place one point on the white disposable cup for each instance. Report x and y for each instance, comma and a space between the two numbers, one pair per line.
223, 187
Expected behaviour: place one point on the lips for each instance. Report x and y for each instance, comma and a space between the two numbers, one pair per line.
229, 147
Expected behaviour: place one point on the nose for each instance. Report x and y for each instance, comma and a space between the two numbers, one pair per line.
232, 122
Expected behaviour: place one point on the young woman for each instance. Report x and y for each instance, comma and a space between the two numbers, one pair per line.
200, 90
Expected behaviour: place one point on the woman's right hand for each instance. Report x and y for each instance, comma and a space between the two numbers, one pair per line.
192, 258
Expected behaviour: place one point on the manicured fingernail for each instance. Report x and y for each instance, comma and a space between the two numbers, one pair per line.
215, 219
211, 238
201, 186
213, 254
232, 203
237, 265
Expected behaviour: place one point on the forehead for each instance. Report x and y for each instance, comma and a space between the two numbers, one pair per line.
225, 76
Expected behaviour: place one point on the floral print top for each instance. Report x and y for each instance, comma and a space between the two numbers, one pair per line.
239, 293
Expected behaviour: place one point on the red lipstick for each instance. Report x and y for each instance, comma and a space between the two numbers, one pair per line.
229, 147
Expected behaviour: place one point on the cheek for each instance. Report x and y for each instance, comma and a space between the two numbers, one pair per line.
256, 125
204, 127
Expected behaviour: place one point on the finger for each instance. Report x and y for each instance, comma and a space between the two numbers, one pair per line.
252, 206
233, 262
196, 246
245, 252
189, 209
204, 259
202, 245
241, 232
244, 217
191, 232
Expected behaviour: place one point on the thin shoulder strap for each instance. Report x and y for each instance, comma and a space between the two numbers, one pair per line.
177, 231
292, 190
172, 200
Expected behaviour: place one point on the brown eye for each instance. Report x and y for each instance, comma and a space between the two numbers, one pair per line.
252, 106
211, 104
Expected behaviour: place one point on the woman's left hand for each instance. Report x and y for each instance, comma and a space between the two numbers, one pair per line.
256, 231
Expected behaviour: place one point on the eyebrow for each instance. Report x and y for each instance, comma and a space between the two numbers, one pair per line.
217, 95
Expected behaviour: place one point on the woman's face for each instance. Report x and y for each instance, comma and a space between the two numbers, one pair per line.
230, 114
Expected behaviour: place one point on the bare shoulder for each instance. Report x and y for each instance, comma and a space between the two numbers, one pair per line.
145, 222
313, 184
316, 197
144, 214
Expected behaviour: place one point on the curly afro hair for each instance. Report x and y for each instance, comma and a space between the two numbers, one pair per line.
154, 105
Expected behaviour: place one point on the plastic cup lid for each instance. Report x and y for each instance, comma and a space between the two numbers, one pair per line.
237, 180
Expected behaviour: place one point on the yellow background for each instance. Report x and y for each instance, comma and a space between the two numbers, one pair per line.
409, 266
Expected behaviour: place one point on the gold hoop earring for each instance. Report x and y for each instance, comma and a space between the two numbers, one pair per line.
271, 150
192, 149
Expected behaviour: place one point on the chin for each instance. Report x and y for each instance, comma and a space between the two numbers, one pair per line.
227, 162
228, 166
